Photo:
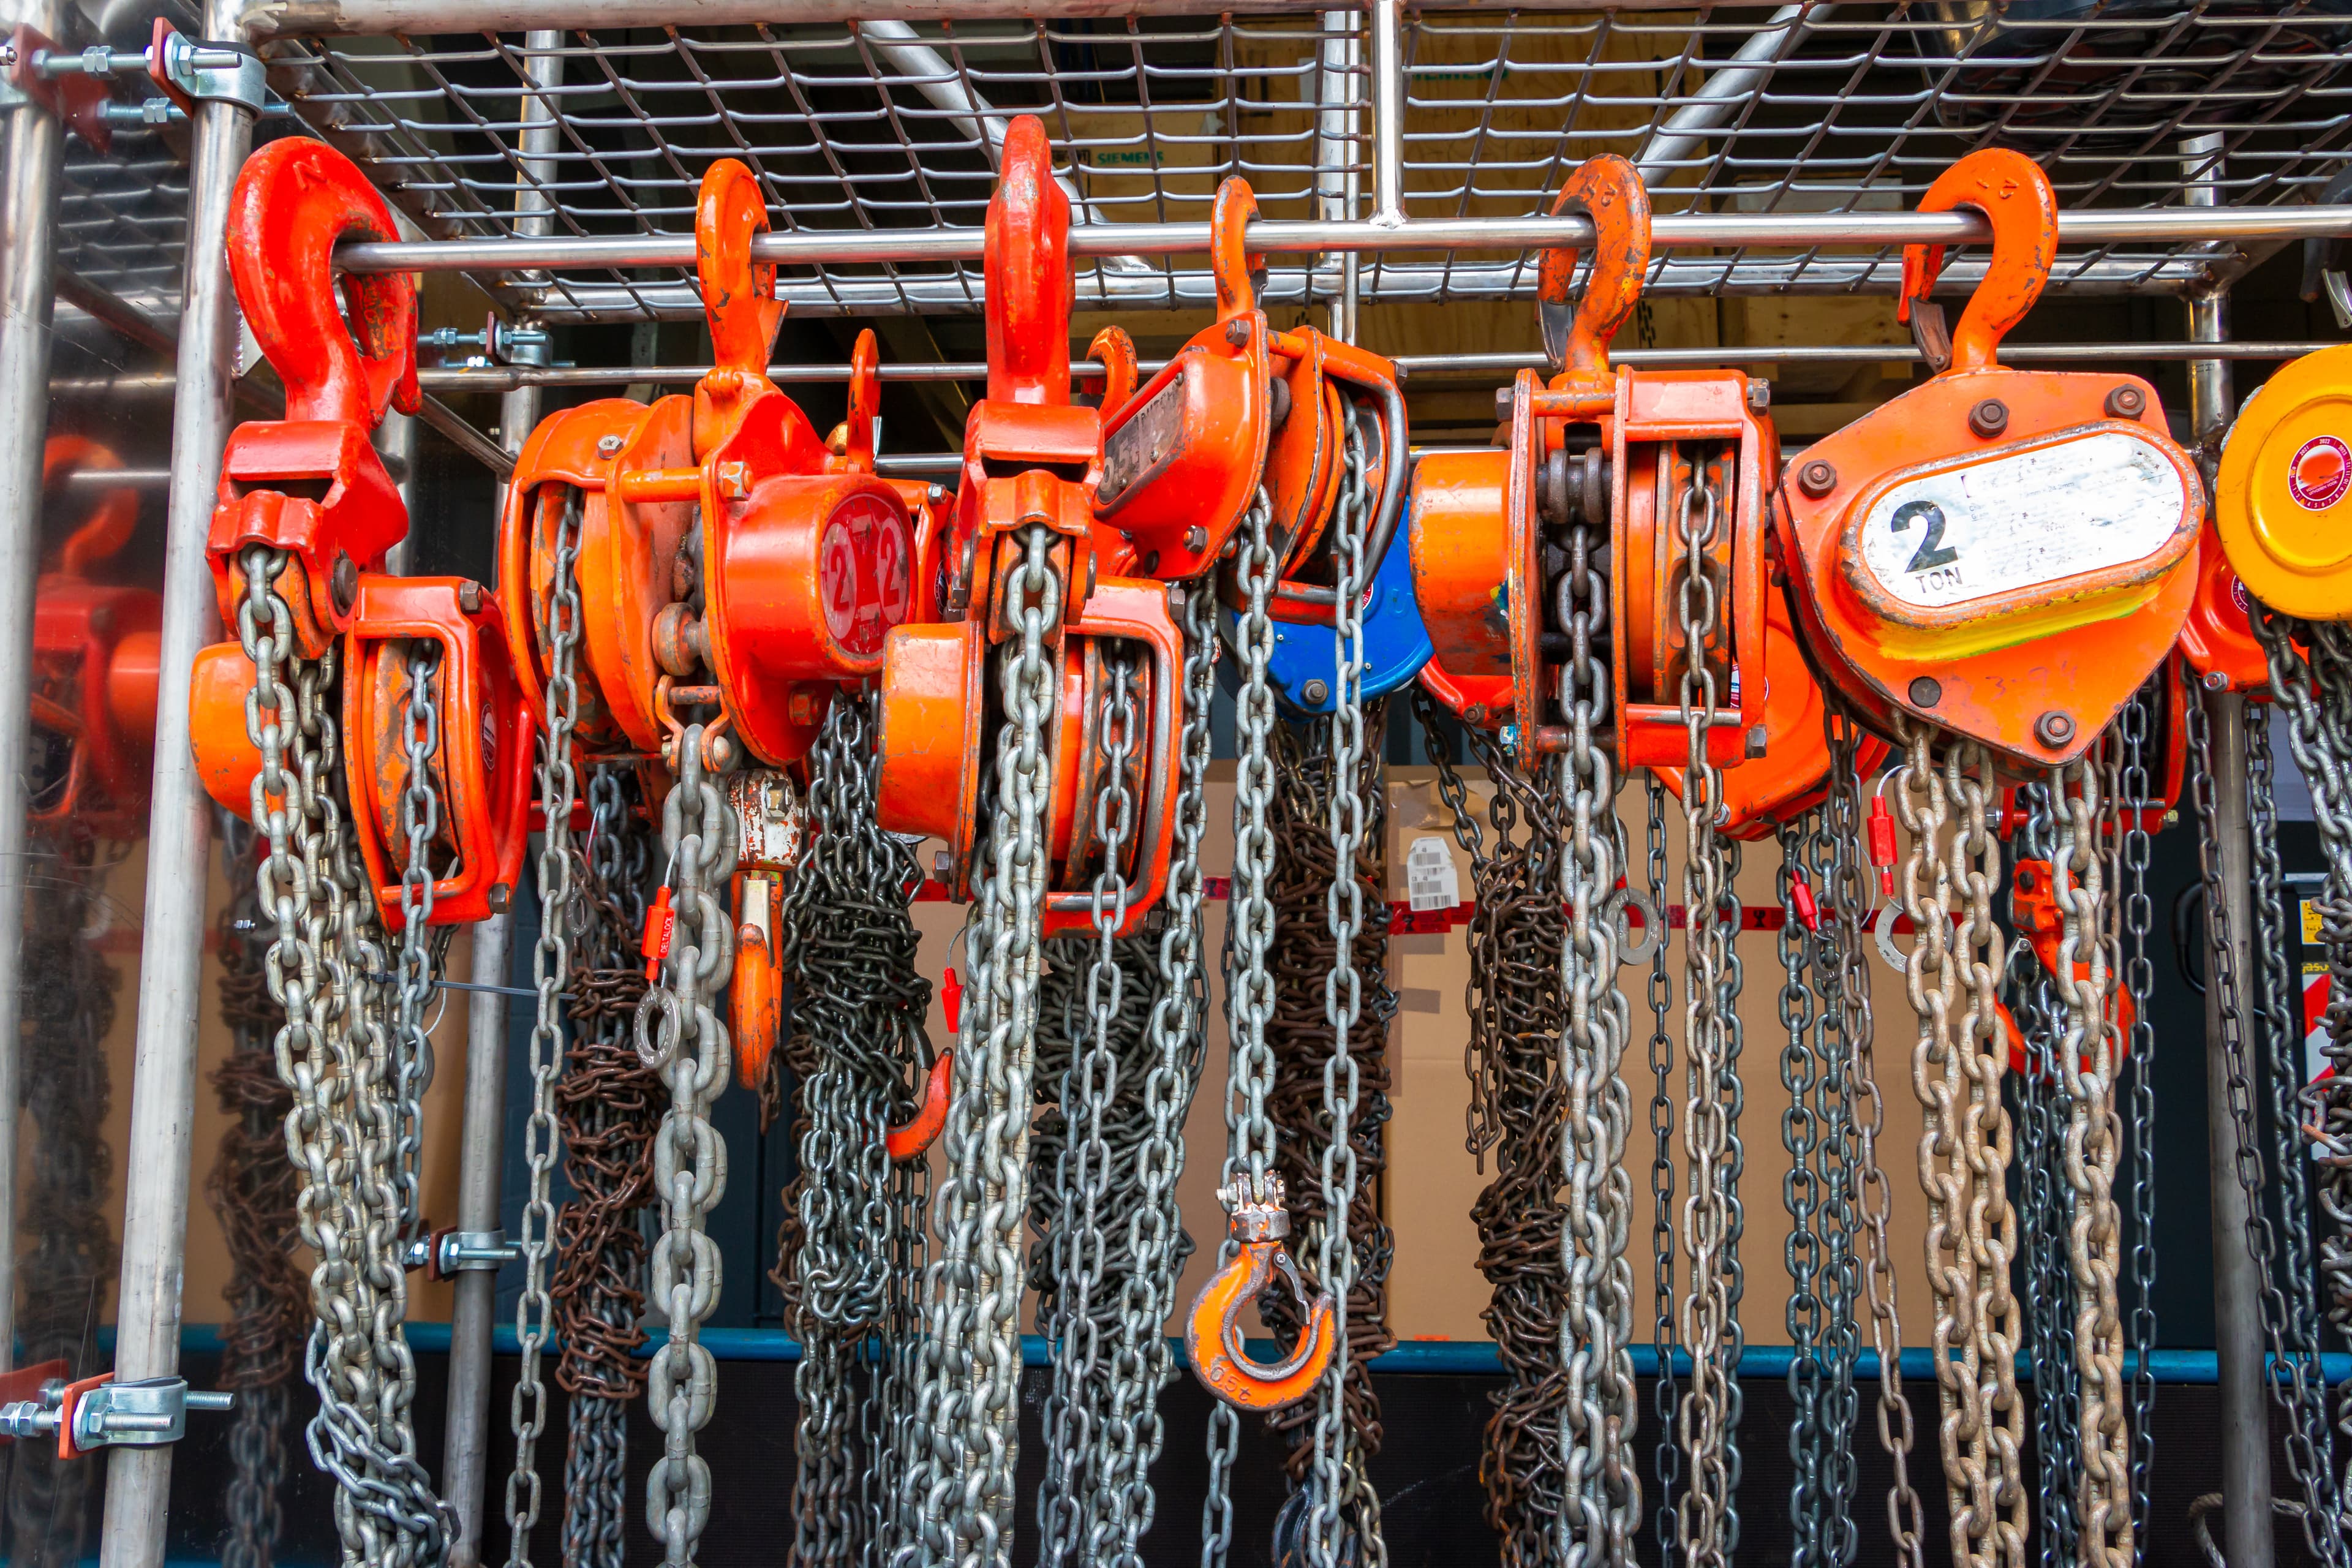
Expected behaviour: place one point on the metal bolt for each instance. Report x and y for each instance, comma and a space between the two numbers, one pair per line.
1196, 538
1475, 714
344, 582
1988, 418
1314, 693
2215, 680
500, 897
1760, 394
469, 597
2054, 729
942, 864
2127, 403
1237, 331
608, 445
1817, 478
1925, 691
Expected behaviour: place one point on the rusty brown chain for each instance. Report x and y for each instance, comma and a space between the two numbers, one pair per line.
1956, 1066
1300, 1033
1518, 1106
607, 1104
252, 1188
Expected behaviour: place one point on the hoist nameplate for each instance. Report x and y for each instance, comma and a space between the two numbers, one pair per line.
1137, 452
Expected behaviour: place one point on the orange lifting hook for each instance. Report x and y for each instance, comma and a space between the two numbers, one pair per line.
913, 1138
1212, 1337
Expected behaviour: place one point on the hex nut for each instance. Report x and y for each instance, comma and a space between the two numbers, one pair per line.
2054, 729
2127, 403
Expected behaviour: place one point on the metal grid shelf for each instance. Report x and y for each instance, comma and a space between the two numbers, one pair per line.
881, 127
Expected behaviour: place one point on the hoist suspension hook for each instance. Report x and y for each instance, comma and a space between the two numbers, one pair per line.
2015, 198
1237, 272
106, 528
1212, 1331
1030, 292
739, 298
1607, 189
1115, 352
295, 201
864, 404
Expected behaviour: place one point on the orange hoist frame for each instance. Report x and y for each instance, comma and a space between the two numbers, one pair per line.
310, 484
481, 765
1664, 441
97, 661
1031, 457
2005, 553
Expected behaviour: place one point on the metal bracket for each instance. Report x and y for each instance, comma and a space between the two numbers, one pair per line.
105, 1413
446, 1254
192, 70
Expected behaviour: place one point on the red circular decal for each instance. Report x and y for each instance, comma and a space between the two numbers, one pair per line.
2319, 473
866, 562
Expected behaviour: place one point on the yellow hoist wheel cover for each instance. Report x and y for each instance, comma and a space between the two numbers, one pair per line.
2284, 504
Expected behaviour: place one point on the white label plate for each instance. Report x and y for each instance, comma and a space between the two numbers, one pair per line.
1431, 880
2026, 521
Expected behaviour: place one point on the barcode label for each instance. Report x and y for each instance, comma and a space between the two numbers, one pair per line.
1431, 880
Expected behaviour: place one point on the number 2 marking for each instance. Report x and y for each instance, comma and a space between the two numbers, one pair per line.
1932, 551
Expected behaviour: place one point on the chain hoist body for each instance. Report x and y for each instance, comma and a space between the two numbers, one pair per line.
2282, 496
2005, 554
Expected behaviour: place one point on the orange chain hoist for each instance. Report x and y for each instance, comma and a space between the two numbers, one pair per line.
97, 661
1031, 456
2282, 496
1662, 441
313, 486
2004, 554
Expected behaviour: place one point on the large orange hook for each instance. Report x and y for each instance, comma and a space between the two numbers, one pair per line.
1234, 268
1115, 352
1607, 189
1030, 290
739, 298
1212, 1330
2014, 195
913, 1138
295, 201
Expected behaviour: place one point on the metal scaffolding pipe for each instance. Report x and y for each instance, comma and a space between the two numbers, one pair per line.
28, 210
1388, 113
1793, 230
179, 829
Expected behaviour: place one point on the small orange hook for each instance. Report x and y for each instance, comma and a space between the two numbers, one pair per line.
864, 403
2014, 195
2042, 923
112, 516
913, 1139
1608, 190
1115, 352
1029, 290
1235, 270
1212, 1331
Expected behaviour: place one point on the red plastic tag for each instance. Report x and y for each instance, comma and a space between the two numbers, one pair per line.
661, 925
952, 1000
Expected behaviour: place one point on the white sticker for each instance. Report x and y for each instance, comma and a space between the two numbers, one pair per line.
1431, 880
2033, 519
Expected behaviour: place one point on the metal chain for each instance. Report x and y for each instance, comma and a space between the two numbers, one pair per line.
420, 828
2089, 1053
342, 1126
1957, 1063
1835, 1473
2296, 1383
1801, 1193
1248, 1170
1846, 905
679, 1035
1708, 1520
960, 1491
608, 1104
2136, 791
1665, 1397
252, 1189
551, 970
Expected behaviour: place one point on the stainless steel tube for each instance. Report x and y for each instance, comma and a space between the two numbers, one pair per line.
28, 211
1389, 94
1800, 230
473, 1323
179, 829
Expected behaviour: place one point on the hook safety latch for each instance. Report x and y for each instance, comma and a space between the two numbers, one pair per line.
1213, 1336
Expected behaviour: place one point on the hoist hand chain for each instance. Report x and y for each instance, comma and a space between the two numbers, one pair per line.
608, 1104
1665, 1398
1835, 1473
1708, 1522
1846, 898
2086, 1065
420, 822
551, 970
318, 965
1803, 1193
1478, 1117
2133, 782
679, 1035
1957, 1063
2296, 1380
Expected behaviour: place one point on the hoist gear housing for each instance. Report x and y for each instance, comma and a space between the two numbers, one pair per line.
2283, 500
2006, 554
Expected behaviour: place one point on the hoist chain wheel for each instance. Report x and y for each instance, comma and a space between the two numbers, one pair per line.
1939, 545
2282, 498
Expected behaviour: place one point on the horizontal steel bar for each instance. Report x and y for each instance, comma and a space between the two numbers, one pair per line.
1797, 230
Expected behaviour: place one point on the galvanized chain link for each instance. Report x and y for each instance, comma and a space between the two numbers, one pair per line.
343, 1131
1846, 904
679, 1034
2135, 793
849, 947
1802, 1195
960, 1491
608, 1104
2296, 1383
1248, 1169
2089, 1052
420, 826
1835, 1475
252, 1189
1708, 1520
1666, 1396
551, 970
1958, 1064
